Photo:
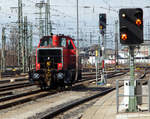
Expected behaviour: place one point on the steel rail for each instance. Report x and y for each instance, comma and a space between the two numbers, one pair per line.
51, 113
11, 87
25, 100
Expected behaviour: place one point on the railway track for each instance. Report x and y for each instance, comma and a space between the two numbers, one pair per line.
8, 95
19, 99
58, 111
32, 95
15, 100
8, 80
109, 75
6, 85
15, 86
51, 113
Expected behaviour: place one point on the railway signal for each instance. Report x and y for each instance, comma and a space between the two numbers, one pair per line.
131, 26
102, 27
102, 23
131, 34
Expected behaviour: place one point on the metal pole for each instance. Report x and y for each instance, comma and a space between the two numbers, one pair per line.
31, 47
46, 19
96, 66
90, 38
77, 51
116, 43
148, 38
117, 95
132, 98
3, 55
149, 95
26, 44
40, 21
18, 48
99, 50
20, 21
77, 24
103, 80
23, 47
49, 20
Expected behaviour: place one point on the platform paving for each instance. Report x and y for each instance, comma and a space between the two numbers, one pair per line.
105, 108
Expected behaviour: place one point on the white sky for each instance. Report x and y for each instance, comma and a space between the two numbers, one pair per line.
63, 14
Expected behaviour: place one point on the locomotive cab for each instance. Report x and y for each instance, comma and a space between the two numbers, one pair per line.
55, 62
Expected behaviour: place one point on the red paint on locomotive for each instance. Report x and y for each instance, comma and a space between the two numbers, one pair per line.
55, 62
68, 46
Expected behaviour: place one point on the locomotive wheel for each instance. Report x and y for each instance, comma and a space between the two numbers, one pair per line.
61, 85
61, 88
79, 75
68, 78
70, 87
43, 88
42, 85
73, 76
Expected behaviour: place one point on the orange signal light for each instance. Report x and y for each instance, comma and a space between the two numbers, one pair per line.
138, 22
124, 36
101, 27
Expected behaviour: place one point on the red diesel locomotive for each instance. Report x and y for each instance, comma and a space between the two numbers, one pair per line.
55, 62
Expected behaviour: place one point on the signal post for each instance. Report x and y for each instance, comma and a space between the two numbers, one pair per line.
102, 26
131, 34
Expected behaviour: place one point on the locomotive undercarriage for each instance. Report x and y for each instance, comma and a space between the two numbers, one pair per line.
52, 79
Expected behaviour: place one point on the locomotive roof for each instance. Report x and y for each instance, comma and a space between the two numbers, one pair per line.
58, 36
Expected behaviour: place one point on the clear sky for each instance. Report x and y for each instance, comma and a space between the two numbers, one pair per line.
63, 15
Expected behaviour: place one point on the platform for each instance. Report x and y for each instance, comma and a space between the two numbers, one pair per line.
105, 108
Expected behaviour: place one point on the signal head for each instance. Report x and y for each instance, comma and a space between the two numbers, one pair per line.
131, 26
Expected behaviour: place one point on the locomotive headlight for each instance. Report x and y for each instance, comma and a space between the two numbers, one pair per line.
36, 76
60, 75
48, 63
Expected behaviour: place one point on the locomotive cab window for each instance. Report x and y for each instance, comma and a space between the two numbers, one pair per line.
63, 42
46, 42
70, 46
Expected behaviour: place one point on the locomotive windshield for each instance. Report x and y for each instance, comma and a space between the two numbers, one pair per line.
46, 41
63, 42
70, 46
